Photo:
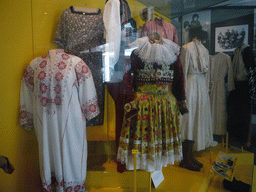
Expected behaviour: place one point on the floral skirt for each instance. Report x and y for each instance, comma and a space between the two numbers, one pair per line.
154, 131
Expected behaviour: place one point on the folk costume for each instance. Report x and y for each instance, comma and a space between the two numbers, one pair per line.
57, 97
155, 97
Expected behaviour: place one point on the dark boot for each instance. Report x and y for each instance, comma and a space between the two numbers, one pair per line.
189, 162
194, 159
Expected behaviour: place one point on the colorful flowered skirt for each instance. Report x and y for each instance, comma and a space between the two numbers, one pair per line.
154, 131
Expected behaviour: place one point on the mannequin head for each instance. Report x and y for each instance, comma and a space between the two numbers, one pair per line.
155, 38
147, 14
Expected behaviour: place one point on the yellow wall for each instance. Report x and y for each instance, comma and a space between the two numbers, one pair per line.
27, 30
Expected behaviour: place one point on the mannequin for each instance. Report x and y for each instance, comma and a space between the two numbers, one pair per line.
164, 28
197, 124
154, 99
146, 15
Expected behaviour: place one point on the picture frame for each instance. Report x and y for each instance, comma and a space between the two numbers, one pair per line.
228, 38
195, 19
230, 22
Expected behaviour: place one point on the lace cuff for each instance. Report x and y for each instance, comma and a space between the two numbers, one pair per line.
183, 107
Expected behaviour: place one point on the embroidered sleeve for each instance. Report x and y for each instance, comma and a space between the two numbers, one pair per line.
26, 99
87, 92
60, 36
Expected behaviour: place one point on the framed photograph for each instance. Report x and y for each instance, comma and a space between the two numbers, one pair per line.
200, 20
230, 37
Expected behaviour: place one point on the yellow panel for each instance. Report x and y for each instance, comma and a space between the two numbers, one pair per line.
16, 52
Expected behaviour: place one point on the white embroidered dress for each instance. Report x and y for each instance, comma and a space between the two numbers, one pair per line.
57, 95
197, 123
220, 66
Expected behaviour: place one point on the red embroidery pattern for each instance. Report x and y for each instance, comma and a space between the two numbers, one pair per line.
57, 89
57, 100
85, 69
82, 71
42, 75
28, 77
43, 88
43, 64
25, 74
44, 101
26, 118
59, 76
31, 81
62, 65
65, 56
44, 56
91, 108
23, 114
68, 186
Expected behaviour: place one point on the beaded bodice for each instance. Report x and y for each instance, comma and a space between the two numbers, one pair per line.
153, 73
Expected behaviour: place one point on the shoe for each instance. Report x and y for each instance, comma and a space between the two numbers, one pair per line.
189, 161
190, 165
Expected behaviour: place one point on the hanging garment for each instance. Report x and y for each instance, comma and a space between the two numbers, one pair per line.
152, 112
79, 32
239, 100
164, 28
197, 124
94, 62
57, 97
120, 31
220, 67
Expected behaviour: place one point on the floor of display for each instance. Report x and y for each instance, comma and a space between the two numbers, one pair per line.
106, 179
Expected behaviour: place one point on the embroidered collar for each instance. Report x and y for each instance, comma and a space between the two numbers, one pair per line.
165, 53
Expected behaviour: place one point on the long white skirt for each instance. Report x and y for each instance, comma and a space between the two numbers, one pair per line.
197, 123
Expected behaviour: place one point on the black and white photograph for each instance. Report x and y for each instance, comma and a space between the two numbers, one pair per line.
230, 37
197, 25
